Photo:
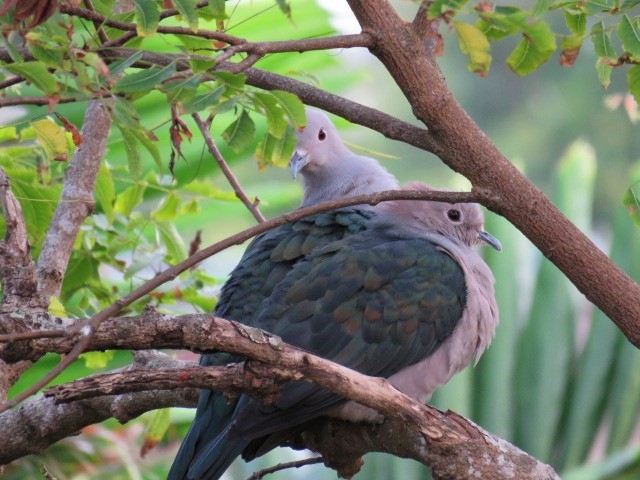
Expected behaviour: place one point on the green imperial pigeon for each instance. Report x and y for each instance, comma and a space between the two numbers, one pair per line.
329, 169
269, 257
403, 296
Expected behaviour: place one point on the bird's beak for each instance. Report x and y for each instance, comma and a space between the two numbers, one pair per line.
297, 162
490, 240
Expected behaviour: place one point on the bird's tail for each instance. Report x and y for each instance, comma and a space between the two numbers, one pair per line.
212, 419
213, 460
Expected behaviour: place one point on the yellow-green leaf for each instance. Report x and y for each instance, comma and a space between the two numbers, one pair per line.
292, 106
156, 428
239, 134
629, 35
633, 79
56, 308
604, 73
36, 73
105, 191
97, 360
217, 9
187, 9
601, 39
145, 80
474, 44
576, 23
51, 138
538, 45
147, 17
274, 151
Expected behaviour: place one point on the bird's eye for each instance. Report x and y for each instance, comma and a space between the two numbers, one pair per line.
454, 215
322, 135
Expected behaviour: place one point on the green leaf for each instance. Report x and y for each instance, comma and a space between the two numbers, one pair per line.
168, 208
284, 7
38, 203
106, 191
631, 201
604, 73
156, 428
440, 7
82, 269
268, 105
292, 106
147, 17
52, 139
601, 39
535, 49
116, 68
172, 240
629, 35
542, 7
474, 44
128, 199
576, 23
187, 9
239, 134
145, 80
235, 81
204, 101
97, 360
629, 5
217, 9
37, 74
273, 151
593, 7
633, 79
132, 147
8, 134
56, 308
47, 54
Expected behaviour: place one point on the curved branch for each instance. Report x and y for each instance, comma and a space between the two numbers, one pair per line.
231, 178
458, 441
468, 151
76, 201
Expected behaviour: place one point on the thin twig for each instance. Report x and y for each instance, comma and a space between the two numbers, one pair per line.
31, 335
9, 82
283, 466
233, 181
88, 328
97, 24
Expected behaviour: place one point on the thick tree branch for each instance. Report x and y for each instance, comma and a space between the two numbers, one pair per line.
231, 178
76, 201
467, 150
17, 277
458, 440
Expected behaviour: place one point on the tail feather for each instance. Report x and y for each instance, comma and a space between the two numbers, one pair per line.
213, 460
212, 416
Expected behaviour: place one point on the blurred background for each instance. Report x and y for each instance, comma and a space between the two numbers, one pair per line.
559, 380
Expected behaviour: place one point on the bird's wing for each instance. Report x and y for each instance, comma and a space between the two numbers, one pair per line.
265, 263
374, 302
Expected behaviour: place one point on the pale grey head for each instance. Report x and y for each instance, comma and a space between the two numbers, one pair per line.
329, 169
460, 221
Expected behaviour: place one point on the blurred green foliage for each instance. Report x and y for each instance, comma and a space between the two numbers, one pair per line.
559, 380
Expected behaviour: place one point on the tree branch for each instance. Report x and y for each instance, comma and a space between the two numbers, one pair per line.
76, 201
17, 277
231, 178
278, 361
467, 150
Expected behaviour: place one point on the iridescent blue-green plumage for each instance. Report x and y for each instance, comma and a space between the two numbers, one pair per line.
266, 261
362, 293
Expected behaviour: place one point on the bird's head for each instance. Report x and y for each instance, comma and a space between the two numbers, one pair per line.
462, 221
318, 147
